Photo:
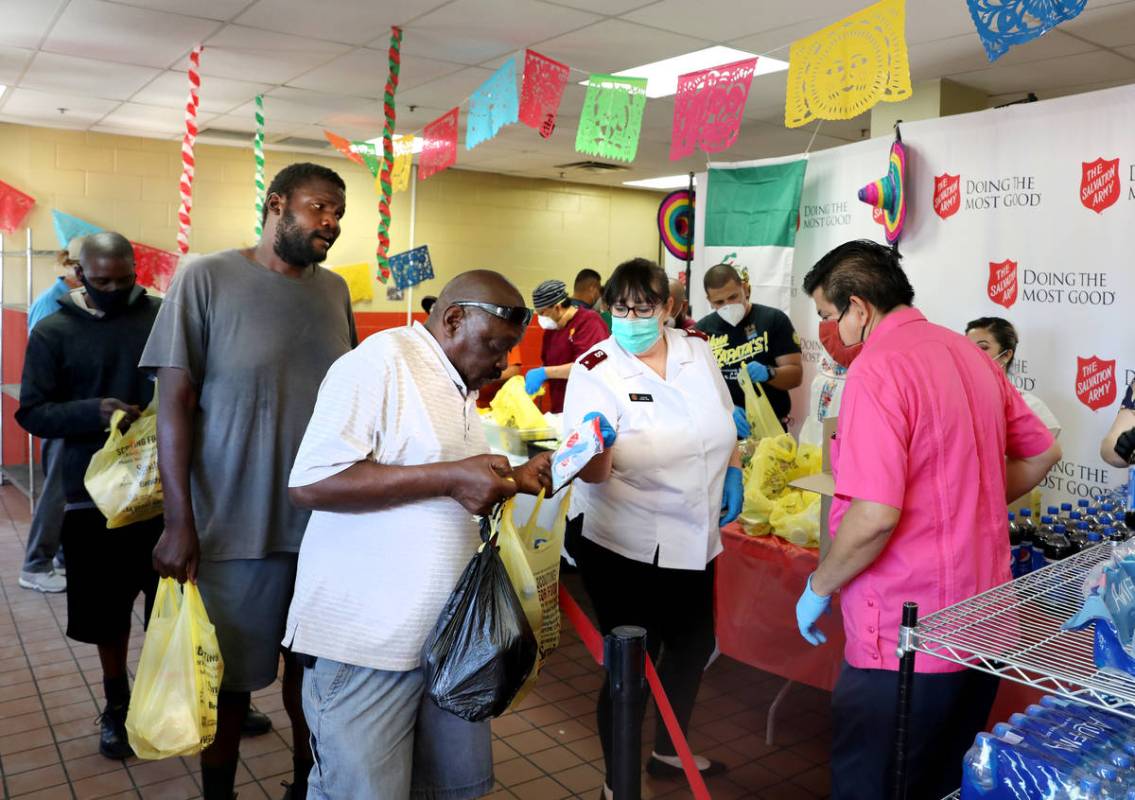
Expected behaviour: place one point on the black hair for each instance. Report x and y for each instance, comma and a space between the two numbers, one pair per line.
1001, 330
861, 268
639, 280
586, 277
296, 175
718, 276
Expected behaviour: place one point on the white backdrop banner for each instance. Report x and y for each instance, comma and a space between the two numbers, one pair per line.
1025, 212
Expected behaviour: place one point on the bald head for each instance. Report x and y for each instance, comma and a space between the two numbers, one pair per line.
677, 293
476, 340
106, 244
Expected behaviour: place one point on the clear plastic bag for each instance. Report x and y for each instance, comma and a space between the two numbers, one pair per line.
483, 648
173, 709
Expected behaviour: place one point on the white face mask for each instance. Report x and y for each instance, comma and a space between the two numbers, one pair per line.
732, 313
546, 323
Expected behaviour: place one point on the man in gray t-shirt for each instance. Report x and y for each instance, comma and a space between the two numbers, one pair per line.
241, 345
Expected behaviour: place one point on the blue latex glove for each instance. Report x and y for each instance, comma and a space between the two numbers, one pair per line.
757, 371
809, 608
742, 423
534, 379
733, 495
605, 429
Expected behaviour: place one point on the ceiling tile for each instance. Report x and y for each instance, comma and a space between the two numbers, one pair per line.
144, 119
721, 20
13, 60
286, 105
217, 95
212, 9
965, 54
1053, 73
111, 32
352, 21
445, 93
26, 23
471, 31
82, 110
86, 76
240, 122
926, 22
614, 45
1110, 26
611, 8
250, 53
363, 72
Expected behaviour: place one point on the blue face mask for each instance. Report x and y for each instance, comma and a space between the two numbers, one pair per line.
636, 335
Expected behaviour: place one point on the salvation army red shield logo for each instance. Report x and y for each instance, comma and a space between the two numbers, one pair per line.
877, 215
947, 195
1099, 184
1096, 385
1003, 282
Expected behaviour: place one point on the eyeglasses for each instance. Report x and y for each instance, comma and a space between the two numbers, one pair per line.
517, 315
641, 311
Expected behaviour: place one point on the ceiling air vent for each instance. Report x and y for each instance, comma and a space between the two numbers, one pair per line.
227, 135
591, 166
299, 141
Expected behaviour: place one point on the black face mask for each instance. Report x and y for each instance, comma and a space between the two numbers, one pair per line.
108, 302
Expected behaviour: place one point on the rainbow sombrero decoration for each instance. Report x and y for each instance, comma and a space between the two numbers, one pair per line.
888, 194
675, 223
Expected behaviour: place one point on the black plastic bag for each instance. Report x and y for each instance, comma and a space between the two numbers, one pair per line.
482, 649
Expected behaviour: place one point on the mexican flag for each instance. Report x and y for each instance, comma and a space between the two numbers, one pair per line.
751, 216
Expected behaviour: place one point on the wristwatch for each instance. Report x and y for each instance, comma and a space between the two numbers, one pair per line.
772, 373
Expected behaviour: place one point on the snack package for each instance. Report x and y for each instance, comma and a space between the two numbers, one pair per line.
580, 446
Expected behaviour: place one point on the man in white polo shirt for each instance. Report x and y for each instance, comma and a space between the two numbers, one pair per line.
394, 465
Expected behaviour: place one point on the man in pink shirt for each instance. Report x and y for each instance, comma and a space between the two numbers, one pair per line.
932, 443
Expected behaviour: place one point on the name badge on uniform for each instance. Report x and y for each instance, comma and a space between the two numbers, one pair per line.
641, 398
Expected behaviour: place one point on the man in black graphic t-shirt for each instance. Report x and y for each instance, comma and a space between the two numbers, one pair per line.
760, 336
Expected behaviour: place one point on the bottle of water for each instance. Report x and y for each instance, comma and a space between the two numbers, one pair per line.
1083, 504
1065, 510
1015, 547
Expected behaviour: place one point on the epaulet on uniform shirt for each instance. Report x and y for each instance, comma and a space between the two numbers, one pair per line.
593, 359
696, 334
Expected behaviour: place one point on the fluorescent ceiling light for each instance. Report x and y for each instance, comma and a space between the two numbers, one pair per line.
663, 75
415, 147
666, 182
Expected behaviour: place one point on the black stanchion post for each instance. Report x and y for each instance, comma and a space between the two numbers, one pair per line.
624, 656
906, 681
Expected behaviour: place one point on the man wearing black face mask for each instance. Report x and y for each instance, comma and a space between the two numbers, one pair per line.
81, 367
241, 345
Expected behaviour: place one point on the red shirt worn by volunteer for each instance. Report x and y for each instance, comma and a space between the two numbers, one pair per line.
925, 424
583, 331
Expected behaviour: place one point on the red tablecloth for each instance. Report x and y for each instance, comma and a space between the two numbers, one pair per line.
759, 580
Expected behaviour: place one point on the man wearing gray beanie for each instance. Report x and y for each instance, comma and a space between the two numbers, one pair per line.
569, 332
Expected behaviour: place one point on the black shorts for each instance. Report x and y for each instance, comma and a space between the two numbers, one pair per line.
106, 569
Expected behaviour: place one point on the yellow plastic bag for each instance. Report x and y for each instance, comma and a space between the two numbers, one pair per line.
531, 555
173, 710
770, 505
122, 477
758, 409
511, 407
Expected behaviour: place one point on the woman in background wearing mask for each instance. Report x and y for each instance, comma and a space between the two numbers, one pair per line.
998, 338
569, 332
653, 503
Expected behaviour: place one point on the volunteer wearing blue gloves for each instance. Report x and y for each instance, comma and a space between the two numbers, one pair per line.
653, 503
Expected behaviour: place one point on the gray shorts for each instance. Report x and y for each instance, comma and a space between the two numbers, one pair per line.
376, 734
247, 601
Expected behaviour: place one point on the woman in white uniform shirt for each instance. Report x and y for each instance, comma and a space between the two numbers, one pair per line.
998, 338
653, 503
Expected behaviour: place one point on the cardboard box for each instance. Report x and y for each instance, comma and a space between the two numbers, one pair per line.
823, 484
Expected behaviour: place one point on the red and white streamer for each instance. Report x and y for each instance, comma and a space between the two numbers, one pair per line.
187, 162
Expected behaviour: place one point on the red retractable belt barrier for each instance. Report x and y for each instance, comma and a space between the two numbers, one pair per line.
593, 641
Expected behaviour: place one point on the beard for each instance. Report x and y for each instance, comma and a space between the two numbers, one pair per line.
294, 245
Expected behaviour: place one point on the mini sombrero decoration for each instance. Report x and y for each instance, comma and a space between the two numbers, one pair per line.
888, 194
675, 223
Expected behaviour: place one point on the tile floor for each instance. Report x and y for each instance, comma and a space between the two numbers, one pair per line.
51, 693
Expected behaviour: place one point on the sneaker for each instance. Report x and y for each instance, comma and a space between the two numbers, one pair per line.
665, 767
113, 742
256, 723
51, 582
59, 566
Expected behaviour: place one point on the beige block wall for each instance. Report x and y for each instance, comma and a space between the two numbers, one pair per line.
528, 229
